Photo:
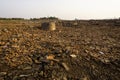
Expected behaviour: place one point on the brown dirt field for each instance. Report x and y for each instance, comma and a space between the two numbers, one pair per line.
86, 52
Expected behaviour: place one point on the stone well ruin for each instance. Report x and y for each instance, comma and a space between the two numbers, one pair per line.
48, 26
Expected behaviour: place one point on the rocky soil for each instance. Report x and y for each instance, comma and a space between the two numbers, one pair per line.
87, 52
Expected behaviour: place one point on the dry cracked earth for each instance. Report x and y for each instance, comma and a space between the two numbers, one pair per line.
87, 52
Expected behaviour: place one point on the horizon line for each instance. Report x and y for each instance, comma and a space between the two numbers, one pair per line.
64, 19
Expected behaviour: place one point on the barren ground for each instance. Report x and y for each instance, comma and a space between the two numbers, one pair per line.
87, 52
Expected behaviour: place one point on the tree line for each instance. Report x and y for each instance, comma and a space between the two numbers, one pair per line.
45, 18
42, 18
12, 19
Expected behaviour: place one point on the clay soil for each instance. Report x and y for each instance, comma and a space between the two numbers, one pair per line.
85, 52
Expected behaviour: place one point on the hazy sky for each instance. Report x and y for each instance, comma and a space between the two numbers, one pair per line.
65, 9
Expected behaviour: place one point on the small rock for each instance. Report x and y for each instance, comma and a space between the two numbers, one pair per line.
56, 60
14, 59
86, 51
5, 30
27, 68
50, 57
41, 73
15, 46
15, 77
65, 66
68, 49
14, 39
107, 61
75, 51
59, 31
3, 73
22, 75
85, 78
92, 48
97, 47
64, 78
73, 56
37, 62
93, 66
2, 43
101, 52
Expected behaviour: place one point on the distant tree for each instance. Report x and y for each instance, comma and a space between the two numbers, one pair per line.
34, 18
17, 18
51, 18
45, 18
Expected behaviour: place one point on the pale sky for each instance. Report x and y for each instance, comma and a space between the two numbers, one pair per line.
64, 9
